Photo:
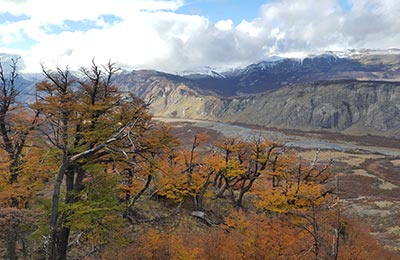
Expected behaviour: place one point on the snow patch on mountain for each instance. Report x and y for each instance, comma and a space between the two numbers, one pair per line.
201, 72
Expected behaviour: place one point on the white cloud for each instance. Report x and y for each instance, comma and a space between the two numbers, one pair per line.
149, 34
320, 25
224, 25
133, 38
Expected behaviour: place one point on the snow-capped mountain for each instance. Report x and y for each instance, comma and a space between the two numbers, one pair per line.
268, 75
202, 72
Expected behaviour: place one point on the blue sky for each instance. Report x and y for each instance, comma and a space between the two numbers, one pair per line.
175, 35
236, 10
346, 5
217, 10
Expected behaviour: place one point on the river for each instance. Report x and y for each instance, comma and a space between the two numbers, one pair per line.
301, 141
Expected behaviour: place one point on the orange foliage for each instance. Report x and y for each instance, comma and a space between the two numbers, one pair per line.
186, 173
32, 175
245, 236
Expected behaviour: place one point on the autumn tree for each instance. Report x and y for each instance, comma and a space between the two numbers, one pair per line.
187, 174
305, 192
143, 162
245, 163
84, 117
230, 149
16, 124
7, 103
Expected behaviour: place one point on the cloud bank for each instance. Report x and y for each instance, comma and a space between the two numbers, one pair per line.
150, 34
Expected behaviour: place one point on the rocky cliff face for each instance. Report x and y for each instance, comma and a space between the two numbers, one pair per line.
348, 106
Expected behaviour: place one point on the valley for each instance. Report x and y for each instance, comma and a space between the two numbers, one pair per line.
306, 140
356, 96
331, 169
369, 177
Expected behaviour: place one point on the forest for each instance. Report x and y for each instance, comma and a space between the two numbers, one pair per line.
86, 173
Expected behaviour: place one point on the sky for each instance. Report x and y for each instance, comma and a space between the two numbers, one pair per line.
177, 35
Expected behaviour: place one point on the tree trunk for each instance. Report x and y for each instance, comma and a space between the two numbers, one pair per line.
63, 246
11, 246
13, 168
243, 190
129, 208
199, 198
65, 231
316, 234
239, 201
222, 190
51, 251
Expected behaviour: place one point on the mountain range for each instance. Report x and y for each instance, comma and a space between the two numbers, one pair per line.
357, 95
356, 92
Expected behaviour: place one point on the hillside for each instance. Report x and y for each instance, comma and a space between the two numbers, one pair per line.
348, 106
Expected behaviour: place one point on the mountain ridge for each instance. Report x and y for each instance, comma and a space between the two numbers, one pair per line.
357, 96
323, 93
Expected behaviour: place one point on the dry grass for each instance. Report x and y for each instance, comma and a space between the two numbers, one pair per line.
351, 159
396, 163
